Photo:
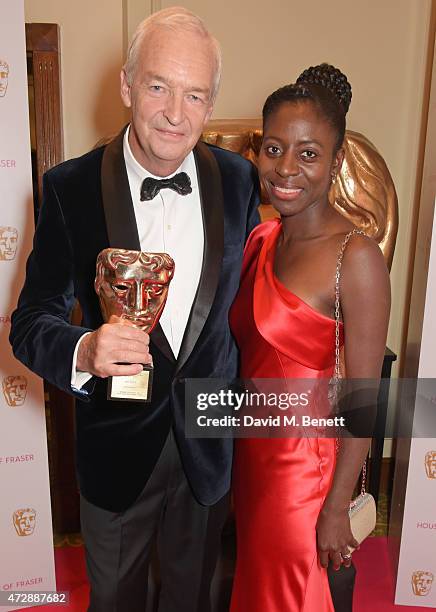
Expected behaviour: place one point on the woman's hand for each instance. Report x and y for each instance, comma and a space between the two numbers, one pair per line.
334, 537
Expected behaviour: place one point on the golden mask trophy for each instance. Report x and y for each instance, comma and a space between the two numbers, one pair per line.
430, 464
422, 582
24, 521
133, 285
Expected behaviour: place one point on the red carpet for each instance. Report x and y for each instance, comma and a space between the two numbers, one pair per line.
374, 587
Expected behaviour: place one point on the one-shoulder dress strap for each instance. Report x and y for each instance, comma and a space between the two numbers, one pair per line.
337, 370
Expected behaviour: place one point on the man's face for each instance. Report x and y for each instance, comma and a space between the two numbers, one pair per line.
430, 464
25, 523
8, 243
15, 389
134, 292
170, 98
4, 74
421, 583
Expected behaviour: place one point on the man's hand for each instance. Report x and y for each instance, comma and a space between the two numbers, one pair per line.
115, 342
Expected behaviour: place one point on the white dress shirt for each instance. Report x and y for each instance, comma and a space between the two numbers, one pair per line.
169, 223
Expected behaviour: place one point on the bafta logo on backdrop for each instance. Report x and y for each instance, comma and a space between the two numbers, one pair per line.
430, 464
4, 76
15, 390
24, 520
422, 582
8, 243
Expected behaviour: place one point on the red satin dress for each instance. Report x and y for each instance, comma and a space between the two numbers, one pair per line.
279, 484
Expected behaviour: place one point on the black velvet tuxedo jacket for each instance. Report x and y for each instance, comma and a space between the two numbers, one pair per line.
87, 207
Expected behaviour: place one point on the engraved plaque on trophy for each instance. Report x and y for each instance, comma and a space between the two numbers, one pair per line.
133, 285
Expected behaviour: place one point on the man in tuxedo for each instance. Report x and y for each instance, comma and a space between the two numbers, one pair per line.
139, 476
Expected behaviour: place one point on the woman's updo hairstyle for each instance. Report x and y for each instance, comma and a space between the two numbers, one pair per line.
324, 85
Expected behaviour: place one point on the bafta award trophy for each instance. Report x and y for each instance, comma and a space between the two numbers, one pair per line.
133, 285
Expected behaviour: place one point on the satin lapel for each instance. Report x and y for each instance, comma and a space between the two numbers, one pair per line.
120, 216
212, 207
117, 200
160, 341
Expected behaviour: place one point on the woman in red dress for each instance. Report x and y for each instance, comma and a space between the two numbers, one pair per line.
292, 495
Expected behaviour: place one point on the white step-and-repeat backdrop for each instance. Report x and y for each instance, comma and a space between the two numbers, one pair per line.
416, 579
26, 543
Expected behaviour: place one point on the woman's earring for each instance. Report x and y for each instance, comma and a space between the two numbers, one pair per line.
333, 178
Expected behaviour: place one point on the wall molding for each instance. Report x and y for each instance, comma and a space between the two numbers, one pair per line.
155, 5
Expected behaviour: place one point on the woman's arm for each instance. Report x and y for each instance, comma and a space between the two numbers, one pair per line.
365, 305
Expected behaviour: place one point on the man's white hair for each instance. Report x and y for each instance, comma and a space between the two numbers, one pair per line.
175, 18
4, 64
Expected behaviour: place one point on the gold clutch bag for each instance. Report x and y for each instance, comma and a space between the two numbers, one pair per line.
363, 516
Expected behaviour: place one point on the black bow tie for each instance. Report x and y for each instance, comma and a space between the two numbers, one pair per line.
181, 183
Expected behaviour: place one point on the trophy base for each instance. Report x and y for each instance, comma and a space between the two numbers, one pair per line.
131, 388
